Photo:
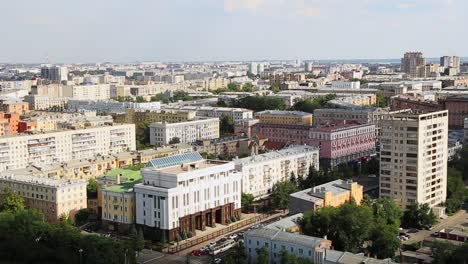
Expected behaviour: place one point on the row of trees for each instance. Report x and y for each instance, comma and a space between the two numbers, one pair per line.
371, 227
457, 175
309, 105
261, 103
26, 238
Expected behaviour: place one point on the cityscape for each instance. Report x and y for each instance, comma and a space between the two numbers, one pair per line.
234, 158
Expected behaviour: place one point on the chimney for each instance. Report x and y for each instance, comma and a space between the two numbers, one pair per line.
117, 179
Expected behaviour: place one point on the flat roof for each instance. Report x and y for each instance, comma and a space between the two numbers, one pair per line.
131, 178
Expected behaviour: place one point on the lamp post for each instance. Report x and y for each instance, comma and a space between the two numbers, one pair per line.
125, 255
81, 253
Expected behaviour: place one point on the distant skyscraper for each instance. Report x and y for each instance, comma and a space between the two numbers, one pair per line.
308, 67
450, 62
413, 64
413, 158
260, 68
253, 68
54, 73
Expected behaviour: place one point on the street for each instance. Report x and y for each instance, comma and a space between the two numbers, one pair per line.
459, 218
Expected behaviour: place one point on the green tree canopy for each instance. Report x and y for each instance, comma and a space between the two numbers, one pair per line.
418, 216
263, 256
280, 193
247, 200
11, 201
260, 103
226, 125
174, 140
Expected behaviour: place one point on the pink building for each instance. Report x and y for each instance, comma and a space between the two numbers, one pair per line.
338, 142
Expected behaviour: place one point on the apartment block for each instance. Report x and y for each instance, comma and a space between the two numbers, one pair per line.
208, 111
37, 102
261, 172
186, 132
61, 146
174, 197
334, 193
284, 117
413, 158
9, 123
17, 107
52, 197
133, 116
87, 91
110, 106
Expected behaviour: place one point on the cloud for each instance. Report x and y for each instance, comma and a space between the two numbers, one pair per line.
234, 5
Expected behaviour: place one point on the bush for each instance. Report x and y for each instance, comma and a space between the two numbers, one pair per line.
189, 234
228, 221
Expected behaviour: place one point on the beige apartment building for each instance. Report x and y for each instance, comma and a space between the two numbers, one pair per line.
413, 158
22, 150
52, 197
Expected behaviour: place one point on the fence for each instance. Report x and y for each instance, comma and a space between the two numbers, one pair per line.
190, 242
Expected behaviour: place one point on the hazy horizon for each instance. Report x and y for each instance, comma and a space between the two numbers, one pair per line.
229, 30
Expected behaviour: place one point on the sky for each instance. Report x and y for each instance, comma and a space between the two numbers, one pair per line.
64, 31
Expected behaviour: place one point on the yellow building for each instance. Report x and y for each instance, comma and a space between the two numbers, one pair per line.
285, 117
117, 199
334, 193
52, 197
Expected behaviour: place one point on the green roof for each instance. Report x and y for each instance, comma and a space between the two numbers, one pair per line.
133, 177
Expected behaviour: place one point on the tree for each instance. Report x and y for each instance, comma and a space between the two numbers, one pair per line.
174, 140
384, 241
140, 99
12, 202
25, 231
445, 252
418, 216
227, 125
457, 194
275, 88
260, 103
287, 258
82, 216
237, 255
263, 256
248, 87
246, 200
91, 188
309, 105
137, 238
382, 100
232, 87
280, 193
142, 134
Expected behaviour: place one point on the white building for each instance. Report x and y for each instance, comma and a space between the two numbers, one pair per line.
209, 111
253, 68
175, 197
261, 172
87, 91
37, 102
162, 133
345, 85
413, 158
307, 247
110, 106
22, 150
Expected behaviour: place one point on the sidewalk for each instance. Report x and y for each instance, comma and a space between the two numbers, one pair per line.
204, 238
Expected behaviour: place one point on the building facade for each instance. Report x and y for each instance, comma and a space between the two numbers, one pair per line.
186, 132
261, 172
413, 158
61, 146
38, 102
174, 197
302, 246
339, 142
52, 197
218, 112
334, 193
413, 64
284, 117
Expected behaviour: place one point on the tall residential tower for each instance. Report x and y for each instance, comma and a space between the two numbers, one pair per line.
413, 158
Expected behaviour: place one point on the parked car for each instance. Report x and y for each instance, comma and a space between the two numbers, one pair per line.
413, 230
217, 260
197, 253
372, 176
233, 236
